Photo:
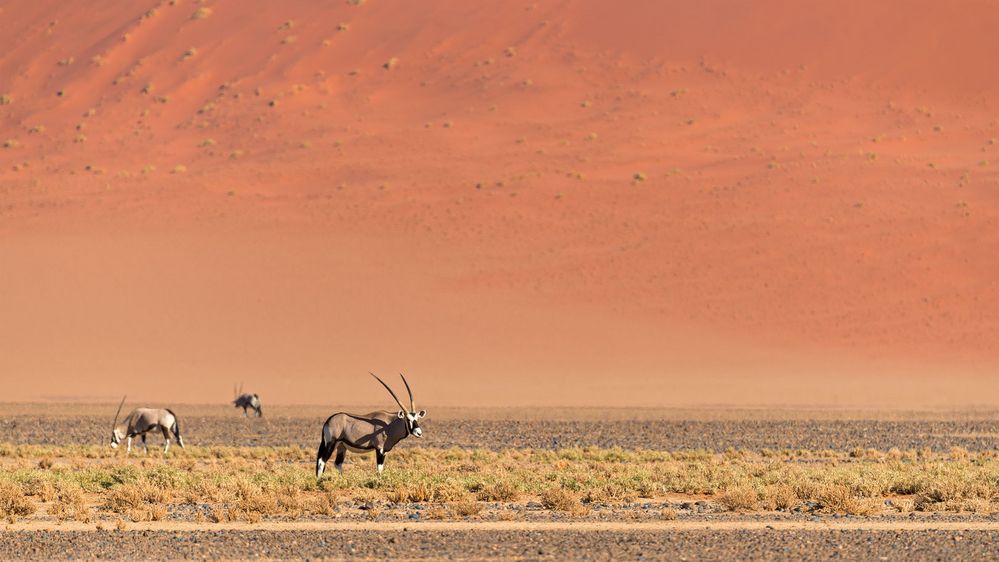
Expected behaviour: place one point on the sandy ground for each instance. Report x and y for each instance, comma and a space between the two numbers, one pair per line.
714, 430
538, 202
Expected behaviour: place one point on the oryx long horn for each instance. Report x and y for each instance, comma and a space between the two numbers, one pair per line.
388, 389
114, 424
412, 405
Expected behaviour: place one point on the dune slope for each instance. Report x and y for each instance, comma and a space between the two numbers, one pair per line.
645, 203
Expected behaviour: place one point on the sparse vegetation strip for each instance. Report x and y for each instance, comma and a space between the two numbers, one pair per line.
216, 484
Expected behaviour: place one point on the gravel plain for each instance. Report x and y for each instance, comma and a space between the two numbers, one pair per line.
714, 430
703, 544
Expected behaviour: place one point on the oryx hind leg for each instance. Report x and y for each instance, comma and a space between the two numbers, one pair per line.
166, 439
323, 456
144, 446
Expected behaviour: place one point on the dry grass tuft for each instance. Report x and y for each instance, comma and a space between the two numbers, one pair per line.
201, 13
70, 503
436, 513
560, 499
779, 498
840, 499
499, 492
739, 499
218, 514
418, 492
466, 508
130, 497
13, 503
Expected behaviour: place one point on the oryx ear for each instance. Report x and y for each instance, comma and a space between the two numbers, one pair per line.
421, 414
402, 414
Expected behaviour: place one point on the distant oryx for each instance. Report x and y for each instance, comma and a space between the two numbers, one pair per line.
246, 401
141, 421
377, 431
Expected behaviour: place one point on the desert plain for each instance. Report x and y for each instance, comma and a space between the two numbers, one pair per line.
674, 279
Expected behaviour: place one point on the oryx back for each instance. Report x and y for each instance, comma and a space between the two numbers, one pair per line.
146, 419
362, 433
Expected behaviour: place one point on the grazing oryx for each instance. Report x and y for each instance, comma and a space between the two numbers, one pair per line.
377, 431
141, 421
246, 401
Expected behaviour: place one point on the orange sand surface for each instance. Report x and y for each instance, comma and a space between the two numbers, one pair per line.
571, 202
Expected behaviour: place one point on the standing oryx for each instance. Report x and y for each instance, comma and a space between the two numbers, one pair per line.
141, 421
246, 401
377, 431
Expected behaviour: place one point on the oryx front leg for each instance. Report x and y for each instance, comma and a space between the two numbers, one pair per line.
380, 459
129, 449
145, 447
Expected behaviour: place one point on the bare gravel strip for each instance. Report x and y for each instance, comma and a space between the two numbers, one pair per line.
714, 435
705, 544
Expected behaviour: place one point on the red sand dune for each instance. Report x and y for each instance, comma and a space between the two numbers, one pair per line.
293, 193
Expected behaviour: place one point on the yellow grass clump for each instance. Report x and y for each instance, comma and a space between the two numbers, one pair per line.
13, 503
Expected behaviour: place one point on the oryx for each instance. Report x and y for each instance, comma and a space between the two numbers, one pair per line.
377, 431
246, 401
141, 421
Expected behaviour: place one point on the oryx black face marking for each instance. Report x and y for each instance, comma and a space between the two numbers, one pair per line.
377, 431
